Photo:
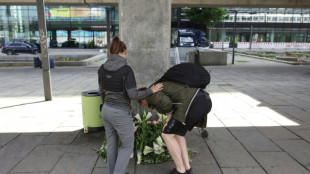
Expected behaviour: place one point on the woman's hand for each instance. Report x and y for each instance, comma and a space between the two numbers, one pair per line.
157, 87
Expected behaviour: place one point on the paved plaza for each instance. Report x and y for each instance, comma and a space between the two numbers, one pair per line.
259, 123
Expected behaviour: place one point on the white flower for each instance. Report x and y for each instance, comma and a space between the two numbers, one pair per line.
147, 150
138, 118
157, 149
139, 155
160, 141
162, 116
149, 115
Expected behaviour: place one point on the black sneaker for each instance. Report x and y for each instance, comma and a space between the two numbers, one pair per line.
174, 171
189, 171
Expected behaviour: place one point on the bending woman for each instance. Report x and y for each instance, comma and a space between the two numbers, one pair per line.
117, 85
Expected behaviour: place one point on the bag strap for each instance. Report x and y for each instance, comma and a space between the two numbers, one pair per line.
176, 91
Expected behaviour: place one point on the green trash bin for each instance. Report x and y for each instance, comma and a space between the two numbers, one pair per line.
91, 109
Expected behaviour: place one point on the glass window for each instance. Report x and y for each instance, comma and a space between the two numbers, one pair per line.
281, 19
204, 39
186, 39
274, 19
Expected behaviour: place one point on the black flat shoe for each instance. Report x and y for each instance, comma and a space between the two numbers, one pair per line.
174, 171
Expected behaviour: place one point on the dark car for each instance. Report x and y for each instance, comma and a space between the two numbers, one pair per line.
70, 43
19, 47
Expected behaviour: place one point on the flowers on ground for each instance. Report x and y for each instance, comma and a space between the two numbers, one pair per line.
149, 146
148, 139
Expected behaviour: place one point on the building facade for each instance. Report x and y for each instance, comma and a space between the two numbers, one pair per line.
85, 25
255, 25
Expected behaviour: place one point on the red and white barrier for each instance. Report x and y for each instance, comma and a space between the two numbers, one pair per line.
219, 44
275, 45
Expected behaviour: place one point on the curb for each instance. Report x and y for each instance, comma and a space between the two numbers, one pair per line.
59, 63
274, 60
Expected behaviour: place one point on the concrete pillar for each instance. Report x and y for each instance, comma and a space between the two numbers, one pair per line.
44, 51
54, 34
272, 35
69, 34
145, 28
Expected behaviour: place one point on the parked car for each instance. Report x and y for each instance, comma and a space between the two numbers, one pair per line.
70, 43
19, 47
53, 44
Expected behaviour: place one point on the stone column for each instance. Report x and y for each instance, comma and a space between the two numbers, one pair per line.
44, 51
272, 35
145, 27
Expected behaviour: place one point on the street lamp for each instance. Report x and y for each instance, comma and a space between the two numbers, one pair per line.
234, 35
251, 30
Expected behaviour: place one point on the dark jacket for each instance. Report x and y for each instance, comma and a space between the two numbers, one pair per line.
179, 103
39, 47
117, 83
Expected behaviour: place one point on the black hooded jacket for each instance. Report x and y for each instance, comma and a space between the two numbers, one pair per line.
117, 83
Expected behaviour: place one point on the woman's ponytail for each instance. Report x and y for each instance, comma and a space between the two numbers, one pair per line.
117, 46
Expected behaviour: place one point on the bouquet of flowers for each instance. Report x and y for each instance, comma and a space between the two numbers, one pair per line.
149, 146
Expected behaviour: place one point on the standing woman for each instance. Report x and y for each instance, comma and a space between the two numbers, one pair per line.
117, 85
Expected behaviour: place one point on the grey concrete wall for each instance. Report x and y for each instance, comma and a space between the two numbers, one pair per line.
145, 28
183, 51
209, 57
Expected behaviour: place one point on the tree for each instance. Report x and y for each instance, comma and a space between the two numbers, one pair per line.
207, 16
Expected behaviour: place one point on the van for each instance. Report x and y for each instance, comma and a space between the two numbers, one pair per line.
192, 38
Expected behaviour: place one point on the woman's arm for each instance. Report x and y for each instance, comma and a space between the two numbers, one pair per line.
131, 87
101, 90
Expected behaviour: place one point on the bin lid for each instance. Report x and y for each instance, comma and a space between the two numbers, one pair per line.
90, 93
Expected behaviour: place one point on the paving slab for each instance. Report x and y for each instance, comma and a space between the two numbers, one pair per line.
255, 141
86, 143
102, 167
77, 163
227, 150
99, 170
16, 150
197, 143
6, 138
279, 163
155, 168
278, 133
28, 173
298, 113
41, 159
249, 170
206, 169
59, 137
303, 133
297, 149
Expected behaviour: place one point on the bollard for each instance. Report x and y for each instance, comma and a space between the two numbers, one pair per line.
197, 57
